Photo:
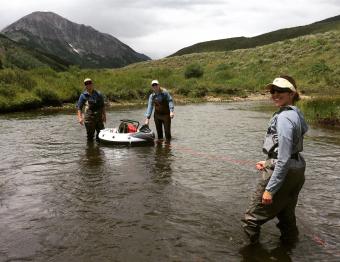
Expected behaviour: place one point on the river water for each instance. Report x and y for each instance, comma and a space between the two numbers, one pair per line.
62, 199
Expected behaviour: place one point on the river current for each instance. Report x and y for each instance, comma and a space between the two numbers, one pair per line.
63, 199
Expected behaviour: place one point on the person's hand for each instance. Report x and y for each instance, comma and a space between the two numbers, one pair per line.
146, 121
261, 165
104, 117
81, 120
172, 114
267, 198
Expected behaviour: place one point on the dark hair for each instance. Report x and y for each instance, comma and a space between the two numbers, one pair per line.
292, 81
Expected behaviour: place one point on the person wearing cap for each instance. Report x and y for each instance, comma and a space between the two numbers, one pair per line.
283, 170
94, 115
162, 101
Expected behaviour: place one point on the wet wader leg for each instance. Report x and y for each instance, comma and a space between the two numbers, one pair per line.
90, 129
159, 128
287, 218
287, 222
257, 214
167, 127
99, 126
283, 206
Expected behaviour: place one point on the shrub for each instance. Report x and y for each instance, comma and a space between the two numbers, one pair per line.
199, 91
162, 73
321, 107
222, 67
26, 101
319, 68
224, 75
123, 94
111, 95
45, 73
218, 90
8, 91
48, 96
3, 104
143, 93
17, 77
193, 71
183, 90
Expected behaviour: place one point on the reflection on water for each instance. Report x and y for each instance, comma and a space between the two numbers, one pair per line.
161, 171
63, 199
257, 252
93, 156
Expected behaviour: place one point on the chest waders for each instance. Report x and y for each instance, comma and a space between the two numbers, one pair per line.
162, 117
93, 117
284, 200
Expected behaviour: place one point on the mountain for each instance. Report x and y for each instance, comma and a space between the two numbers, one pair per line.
78, 44
16, 55
234, 43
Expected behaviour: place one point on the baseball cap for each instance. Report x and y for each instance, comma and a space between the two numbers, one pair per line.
154, 82
87, 81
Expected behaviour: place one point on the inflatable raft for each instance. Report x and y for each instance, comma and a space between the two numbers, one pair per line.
129, 132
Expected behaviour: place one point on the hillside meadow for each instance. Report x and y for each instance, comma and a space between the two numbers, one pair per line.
313, 60
234, 43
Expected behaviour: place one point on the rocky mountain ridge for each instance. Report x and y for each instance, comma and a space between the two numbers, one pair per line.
78, 44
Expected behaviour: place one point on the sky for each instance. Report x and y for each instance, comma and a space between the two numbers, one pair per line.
158, 28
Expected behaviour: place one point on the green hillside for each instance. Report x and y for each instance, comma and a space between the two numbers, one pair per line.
14, 55
313, 60
228, 44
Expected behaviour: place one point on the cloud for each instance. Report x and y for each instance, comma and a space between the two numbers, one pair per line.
160, 28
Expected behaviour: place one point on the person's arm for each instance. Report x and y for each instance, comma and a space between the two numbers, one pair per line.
149, 109
285, 137
103, 107
80, 105
80, 117
171, 104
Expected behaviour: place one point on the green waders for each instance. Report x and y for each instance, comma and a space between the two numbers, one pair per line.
93, 123
282, 207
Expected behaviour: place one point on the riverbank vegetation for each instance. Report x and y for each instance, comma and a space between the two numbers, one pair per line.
324, 110
313, 60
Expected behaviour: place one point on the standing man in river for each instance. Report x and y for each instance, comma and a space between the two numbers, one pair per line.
94, 115
283, 170
164, 110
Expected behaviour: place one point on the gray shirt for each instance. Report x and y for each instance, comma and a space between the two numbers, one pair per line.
290, 126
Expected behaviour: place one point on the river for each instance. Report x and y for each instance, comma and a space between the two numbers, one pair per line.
63, 199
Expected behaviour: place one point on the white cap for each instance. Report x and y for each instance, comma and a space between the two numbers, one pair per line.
154, 82
87, 80
281, 83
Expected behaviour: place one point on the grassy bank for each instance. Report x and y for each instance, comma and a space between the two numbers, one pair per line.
313, 60
324, 110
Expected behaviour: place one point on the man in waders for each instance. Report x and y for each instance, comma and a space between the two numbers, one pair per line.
94, 110
164, 110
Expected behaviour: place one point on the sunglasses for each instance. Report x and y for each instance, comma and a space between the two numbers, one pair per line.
88, 83
154, 84
279, 90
